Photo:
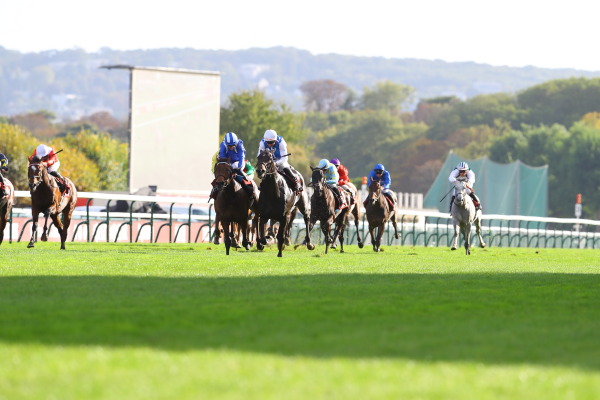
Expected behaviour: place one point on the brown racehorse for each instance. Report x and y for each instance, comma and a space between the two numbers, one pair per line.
232, 204
278, 202
378, 214
322, 208
46, 198
6, 204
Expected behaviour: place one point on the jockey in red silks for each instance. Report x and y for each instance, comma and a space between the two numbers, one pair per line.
48, 155
344, 178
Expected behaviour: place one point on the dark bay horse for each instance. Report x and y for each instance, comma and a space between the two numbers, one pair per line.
464, 215
232, 204
6, 204
277, 202
46, 198
378, 214
322, 209
354, 210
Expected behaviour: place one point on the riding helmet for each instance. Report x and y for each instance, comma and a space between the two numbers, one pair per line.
335, 161
270, 134
231, 139
379, 166
323, 163
462, 166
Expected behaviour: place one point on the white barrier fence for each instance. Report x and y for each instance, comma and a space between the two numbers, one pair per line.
191, 219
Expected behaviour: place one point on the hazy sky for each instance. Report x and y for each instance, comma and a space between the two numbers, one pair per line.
550, 34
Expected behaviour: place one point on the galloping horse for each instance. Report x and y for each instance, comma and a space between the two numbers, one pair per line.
322, 204
6, 204
464, 215
232, 204
354, 210
47, 198
378, 214
277, 202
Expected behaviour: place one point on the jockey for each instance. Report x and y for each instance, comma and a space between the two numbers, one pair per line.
463, 171
379, 174
3, 168
48, 155
344, 179
233, 149
276, 144
332, 178
249, 170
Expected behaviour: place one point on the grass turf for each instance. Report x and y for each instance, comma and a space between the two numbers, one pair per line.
181, 321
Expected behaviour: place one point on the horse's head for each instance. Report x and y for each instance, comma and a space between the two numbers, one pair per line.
317, 179
223, 174
265, 164
35, 173
374, 192
460, 195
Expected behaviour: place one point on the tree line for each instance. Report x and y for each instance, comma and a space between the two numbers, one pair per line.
555, 123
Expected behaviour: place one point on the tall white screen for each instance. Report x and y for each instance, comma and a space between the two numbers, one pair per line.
174, 129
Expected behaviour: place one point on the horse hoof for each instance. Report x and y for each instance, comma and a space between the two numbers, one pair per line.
279, 255
333, 247
259, 246
453, 248
216, 241
360, 245
310, 246
30, 245
482, 245
44, 239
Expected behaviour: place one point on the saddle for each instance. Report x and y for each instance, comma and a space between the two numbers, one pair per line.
62, 185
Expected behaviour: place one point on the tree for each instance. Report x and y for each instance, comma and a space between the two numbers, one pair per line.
250, 113
326, 95
386, 95
39, 123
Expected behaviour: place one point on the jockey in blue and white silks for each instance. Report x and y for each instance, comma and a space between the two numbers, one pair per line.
379, 174
233, 149
462, 170
276, 144
331, 178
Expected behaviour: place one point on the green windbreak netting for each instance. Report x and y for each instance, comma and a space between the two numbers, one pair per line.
509, 189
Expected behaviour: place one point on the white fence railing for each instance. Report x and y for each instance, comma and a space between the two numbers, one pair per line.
191, 219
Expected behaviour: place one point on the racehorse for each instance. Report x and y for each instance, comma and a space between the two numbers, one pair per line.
232, 204
277, 202
378, 214
322, 204
354, 210
47, 198
6, 204
464, 215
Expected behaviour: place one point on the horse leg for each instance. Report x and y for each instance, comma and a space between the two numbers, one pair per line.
306, 214
261, 241
455, 237
217, 236
3, 220
281, 236
45, 231
395, 225
226, 235
244, 230
60, 227
467, 237
34, 223
356, 222
325, 228
478, 230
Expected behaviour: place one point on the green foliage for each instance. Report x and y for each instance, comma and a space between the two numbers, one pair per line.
110, 155
250, 113
92, 161
386, 95
562, 101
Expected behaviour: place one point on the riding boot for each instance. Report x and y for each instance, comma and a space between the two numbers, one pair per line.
61, 181
476, 201
340, 200
391, 202
296, 185
451, 202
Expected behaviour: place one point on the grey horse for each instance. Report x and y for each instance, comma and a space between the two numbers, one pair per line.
464, 215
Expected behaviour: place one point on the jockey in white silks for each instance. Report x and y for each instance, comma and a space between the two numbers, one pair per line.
462, 170
48, 155
276, 144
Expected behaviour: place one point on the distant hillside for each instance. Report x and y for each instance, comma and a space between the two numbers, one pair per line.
71, 84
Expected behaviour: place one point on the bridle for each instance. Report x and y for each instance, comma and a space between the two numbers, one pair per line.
37, 179
374, 193
265, 167
227, 178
